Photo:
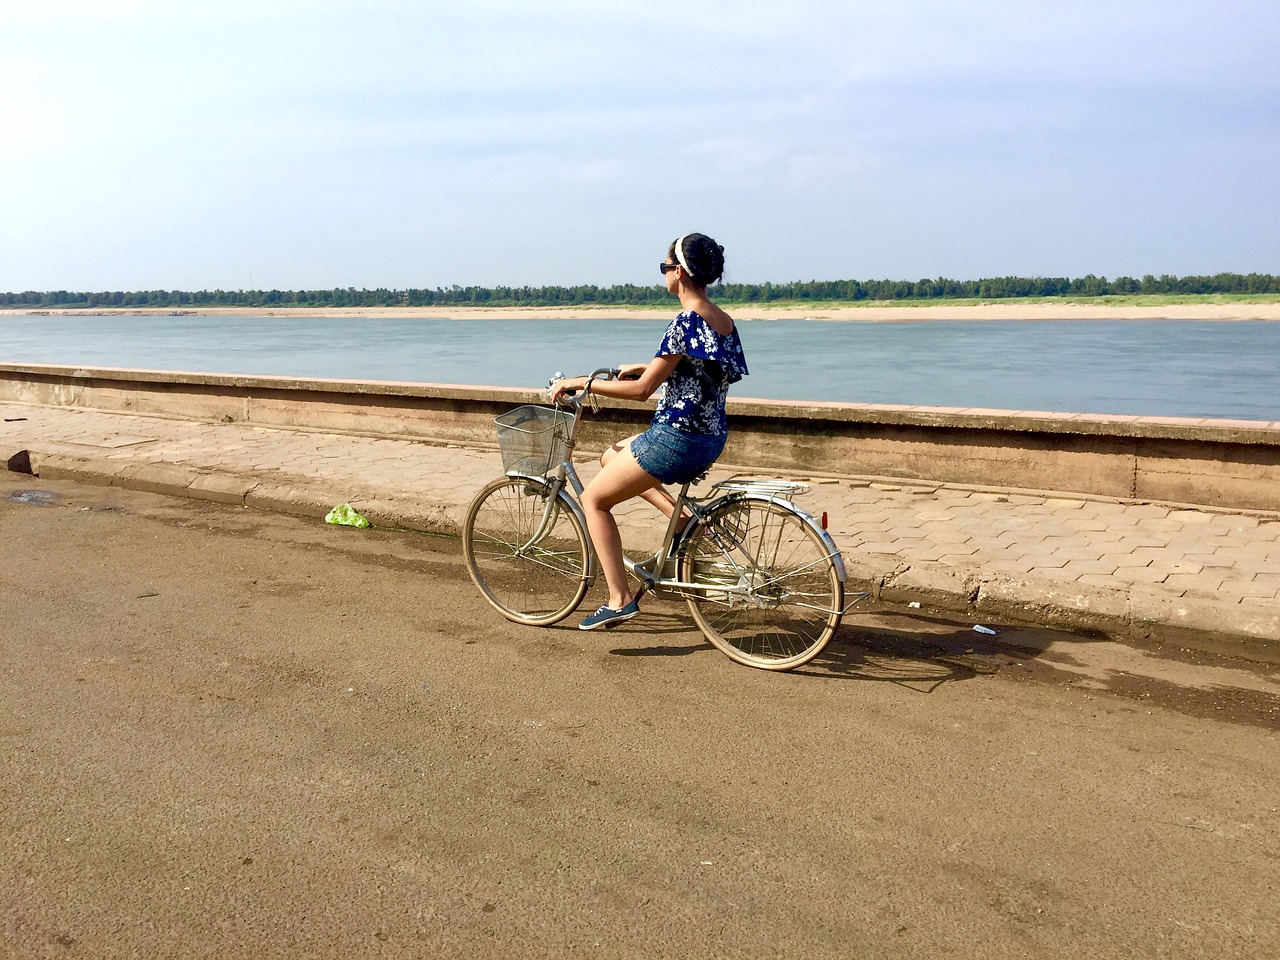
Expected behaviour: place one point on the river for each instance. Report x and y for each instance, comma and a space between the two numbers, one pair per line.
1181, 368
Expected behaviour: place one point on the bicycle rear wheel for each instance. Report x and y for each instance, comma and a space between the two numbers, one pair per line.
531, 577
771, 595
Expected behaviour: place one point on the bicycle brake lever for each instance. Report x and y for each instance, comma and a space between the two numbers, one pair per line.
552, 383
608, 373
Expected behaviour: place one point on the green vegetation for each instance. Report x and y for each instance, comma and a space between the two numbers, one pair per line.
1124, 290
1107, 300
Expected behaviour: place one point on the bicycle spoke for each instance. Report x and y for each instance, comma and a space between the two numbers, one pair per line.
771, 598
528, 555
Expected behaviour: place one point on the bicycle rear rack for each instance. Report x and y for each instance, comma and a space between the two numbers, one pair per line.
786, 489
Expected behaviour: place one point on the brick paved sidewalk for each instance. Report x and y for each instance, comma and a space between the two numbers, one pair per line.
1201, 577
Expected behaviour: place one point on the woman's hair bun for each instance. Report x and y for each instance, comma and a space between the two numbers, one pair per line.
704, 256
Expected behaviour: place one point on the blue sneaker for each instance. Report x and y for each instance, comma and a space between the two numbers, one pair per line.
608, 617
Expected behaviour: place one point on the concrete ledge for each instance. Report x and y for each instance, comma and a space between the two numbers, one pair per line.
1230, 464
157, 478
300, 500
58, 466
221, 489
934, 584
1102, 609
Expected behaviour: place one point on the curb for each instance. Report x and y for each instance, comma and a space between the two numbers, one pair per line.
1120, 614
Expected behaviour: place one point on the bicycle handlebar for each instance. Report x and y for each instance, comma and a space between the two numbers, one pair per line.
575, 399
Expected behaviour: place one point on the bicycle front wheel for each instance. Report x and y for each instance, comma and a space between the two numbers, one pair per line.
526, 551
769, 592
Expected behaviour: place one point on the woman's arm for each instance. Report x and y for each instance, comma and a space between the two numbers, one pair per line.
651, 376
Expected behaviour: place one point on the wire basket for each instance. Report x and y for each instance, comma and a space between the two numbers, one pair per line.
533, 440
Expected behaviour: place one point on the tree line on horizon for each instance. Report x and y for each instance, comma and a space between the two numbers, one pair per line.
993, 288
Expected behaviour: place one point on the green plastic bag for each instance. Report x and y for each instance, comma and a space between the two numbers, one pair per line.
346, 515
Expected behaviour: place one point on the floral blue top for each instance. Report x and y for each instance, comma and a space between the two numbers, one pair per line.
699, 385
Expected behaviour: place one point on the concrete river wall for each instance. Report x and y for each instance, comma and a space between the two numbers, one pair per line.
1231, 464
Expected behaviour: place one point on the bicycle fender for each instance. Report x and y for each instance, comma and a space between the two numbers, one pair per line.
569, 503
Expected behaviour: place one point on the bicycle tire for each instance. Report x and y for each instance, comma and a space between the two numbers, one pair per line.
537, 584
783, 595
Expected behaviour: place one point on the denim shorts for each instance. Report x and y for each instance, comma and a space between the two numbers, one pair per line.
673, 456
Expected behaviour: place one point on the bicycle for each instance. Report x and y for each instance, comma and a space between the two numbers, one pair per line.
763, 579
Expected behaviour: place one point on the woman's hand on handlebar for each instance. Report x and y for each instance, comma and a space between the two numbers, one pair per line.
631, 371
566, 387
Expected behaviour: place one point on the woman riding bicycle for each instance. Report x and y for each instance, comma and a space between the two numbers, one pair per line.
699, 357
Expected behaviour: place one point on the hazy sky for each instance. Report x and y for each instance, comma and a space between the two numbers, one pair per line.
273, 143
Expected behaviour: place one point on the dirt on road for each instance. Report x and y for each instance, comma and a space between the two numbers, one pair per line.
233, 734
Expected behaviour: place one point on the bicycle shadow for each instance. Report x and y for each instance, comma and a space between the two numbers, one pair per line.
921, 652
919, 662
915, 651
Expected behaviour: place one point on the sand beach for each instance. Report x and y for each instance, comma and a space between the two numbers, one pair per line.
873, 313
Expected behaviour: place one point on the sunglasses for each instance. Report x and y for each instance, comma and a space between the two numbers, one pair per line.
668, 267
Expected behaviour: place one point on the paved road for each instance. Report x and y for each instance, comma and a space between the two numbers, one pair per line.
231, 733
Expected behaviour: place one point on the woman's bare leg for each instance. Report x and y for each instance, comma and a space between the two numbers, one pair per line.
621, 478
657, 495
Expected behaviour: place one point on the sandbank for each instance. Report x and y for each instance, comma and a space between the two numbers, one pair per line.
878, 313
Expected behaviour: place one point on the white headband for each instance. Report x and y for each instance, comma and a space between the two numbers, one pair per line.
680, 255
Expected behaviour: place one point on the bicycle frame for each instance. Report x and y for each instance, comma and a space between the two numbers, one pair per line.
657, 573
